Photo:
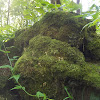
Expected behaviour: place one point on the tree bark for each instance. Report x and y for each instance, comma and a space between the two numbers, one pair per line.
78, 11
55, 1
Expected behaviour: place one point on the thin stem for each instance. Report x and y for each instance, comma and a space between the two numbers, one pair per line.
7, 55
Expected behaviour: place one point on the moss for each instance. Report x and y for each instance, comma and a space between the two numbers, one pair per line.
65, 27
46, 71
48, 61
65, 69
18, 32
59, 25
51, 54
61, 18
70, 34
93, 75
52, 49
94, 48
3, 80
64, 51
27, 34
55, 59
4, 75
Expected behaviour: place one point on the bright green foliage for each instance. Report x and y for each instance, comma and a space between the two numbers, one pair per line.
15, 58
71, 6
17, 87
39, 95
16, 77
24, 13
7, 66
4, 51
94, 14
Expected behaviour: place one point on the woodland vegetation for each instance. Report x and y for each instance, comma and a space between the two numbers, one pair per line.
52, 49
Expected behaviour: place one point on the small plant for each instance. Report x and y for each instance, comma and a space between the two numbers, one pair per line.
69, 96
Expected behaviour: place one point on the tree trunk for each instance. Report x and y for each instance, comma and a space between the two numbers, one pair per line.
8, 12
55, 1
78, 11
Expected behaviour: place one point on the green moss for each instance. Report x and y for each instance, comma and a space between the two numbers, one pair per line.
65, 69
61, 18
4, 75
51, 54
3, 80
63, 26
94, 48
27, 34
43, 45
47, 60
92, 76
59, 25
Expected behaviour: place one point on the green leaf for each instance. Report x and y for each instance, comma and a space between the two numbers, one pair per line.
4, 51
40, 10
7, 66
87, 25
51, 6
26, 11
95, 16
58, 5
39, 94
16, 77
73, 6
33, 14
12, 59
45, 97
17, 87
66, 98
68, 93
28, 17
15, 57
45, 3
